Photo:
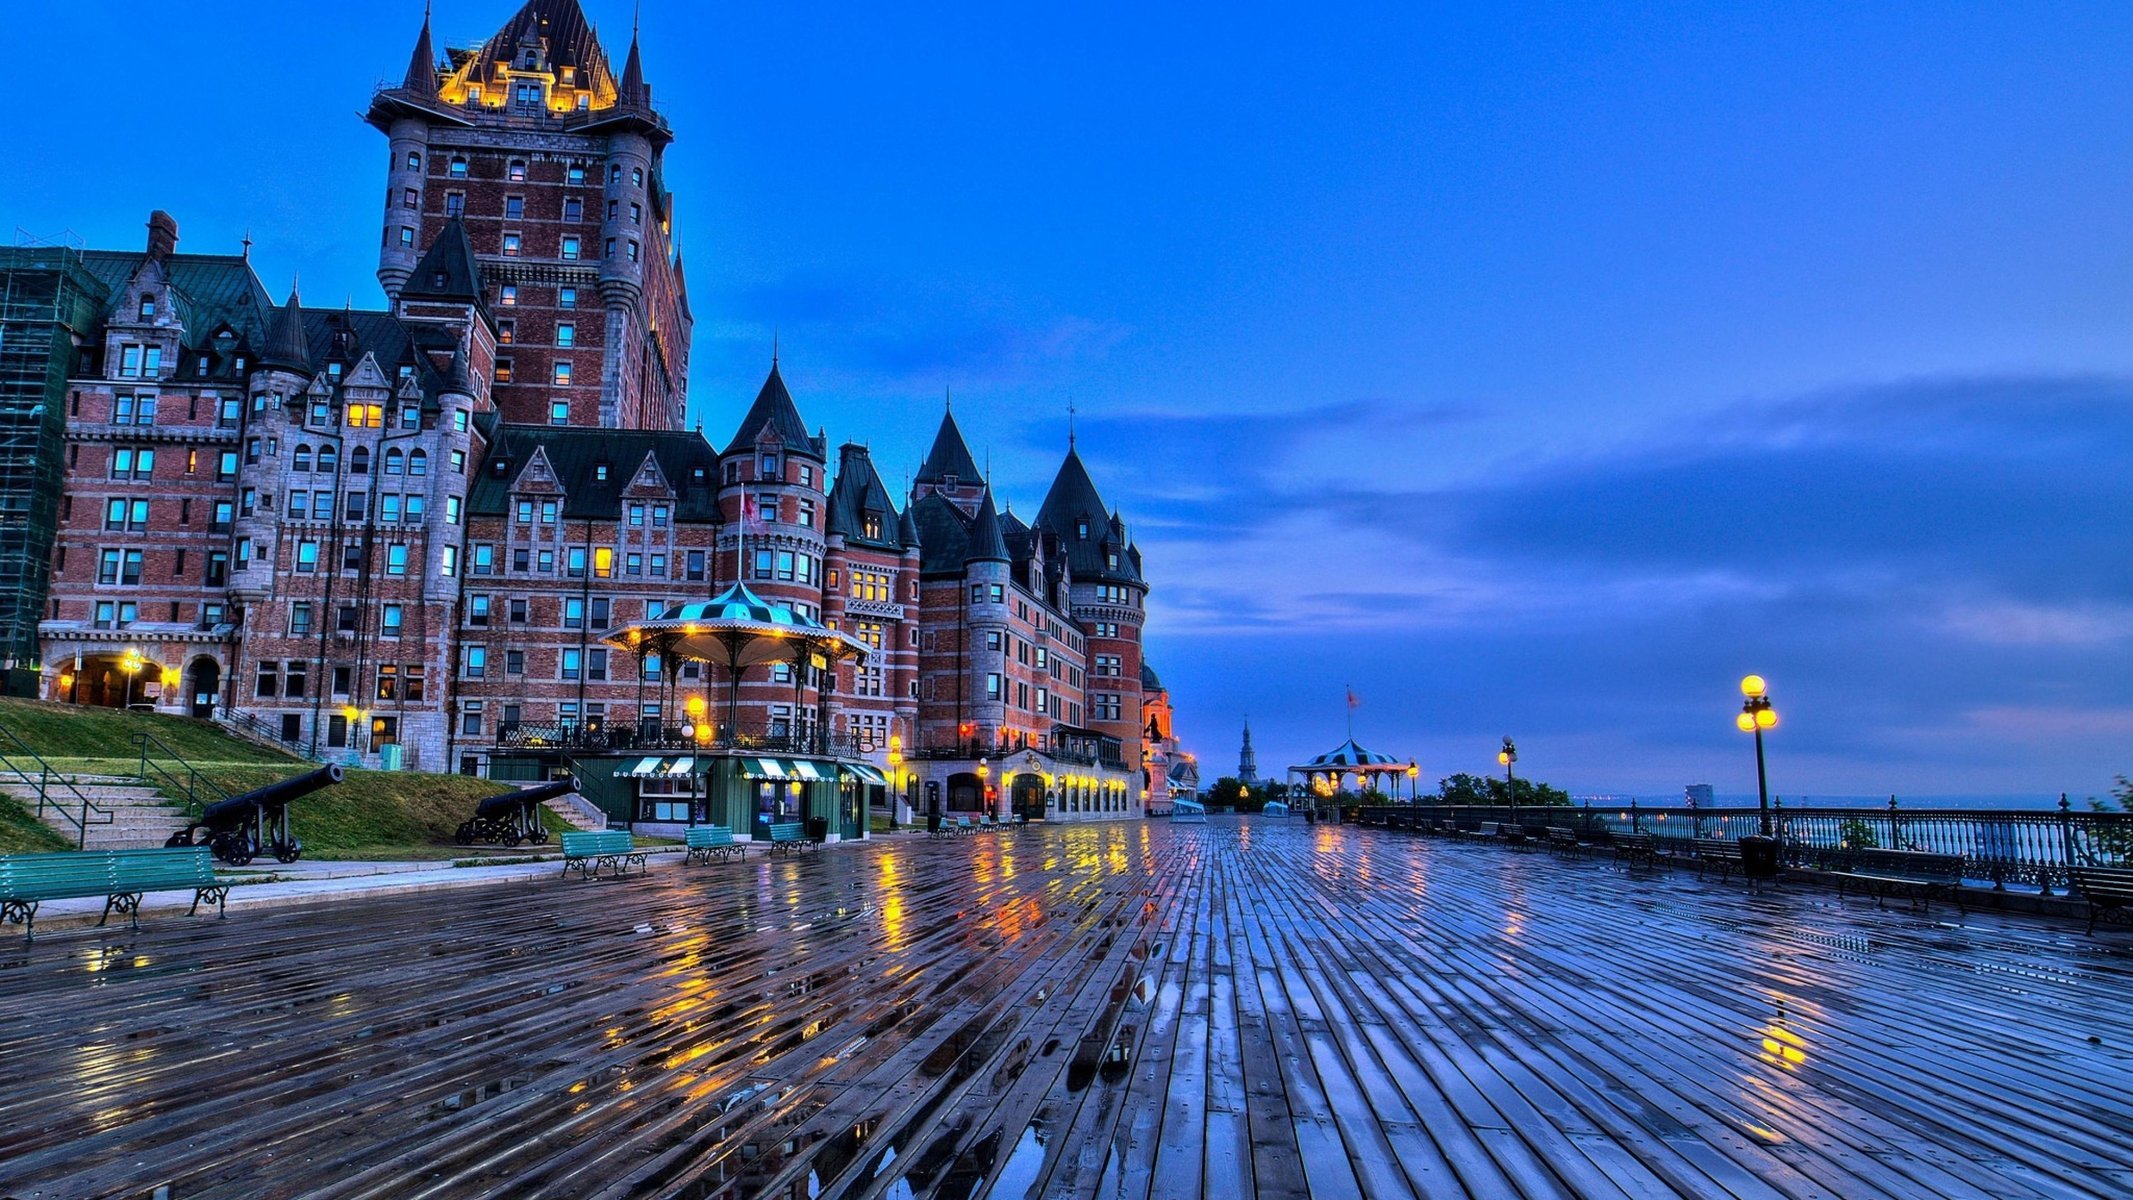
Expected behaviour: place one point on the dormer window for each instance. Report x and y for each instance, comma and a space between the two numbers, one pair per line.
871, 525
600, 474
333, 371
458, 167
1081, 529
533, 59
148, 308
768, 467
948, 484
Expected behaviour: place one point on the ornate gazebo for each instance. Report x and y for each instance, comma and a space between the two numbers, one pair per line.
1324, 774
708, 768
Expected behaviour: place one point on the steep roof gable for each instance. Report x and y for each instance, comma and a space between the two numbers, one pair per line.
950, 455
774, 413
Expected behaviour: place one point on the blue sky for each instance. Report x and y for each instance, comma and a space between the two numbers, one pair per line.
1534, 370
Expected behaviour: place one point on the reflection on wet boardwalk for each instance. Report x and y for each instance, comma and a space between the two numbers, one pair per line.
1146, 1010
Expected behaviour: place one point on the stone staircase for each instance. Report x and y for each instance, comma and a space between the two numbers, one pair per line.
582, 814
140, 816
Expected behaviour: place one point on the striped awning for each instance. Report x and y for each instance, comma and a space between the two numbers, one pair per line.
639, 769
767, 768
646, 768
865, 773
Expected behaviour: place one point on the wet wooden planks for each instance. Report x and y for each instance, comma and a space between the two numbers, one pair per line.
1229, 1009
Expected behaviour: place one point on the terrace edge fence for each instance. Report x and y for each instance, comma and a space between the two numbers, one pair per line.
2000, 847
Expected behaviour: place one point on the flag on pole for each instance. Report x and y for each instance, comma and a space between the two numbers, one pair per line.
1354, 701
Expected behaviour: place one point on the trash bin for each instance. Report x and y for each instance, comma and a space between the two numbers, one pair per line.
1759, 856
818, 829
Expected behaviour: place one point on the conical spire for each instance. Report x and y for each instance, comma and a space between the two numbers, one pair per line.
950, 455
287, 345
457, 380
907, 527
631, 91
987, 543
422, 65
774, 408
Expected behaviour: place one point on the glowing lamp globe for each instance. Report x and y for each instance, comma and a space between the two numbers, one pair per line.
1503, 758
1766, 718
1753, 686
1746, 723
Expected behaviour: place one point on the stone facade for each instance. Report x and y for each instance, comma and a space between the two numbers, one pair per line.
372, 535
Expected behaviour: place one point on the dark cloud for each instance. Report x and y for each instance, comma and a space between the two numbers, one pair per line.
1941, 572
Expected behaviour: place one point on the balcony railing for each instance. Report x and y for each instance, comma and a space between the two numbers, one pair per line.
1066, 750
2025, 846
662, 738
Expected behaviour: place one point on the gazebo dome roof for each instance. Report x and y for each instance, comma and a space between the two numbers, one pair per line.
738, 629
1349, 756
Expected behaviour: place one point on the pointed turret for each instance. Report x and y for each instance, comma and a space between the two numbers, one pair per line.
773, 409
457, 380
287, 345
422, 65
1093, 536
448, 270
987, 543
632, 90
907, 528
950, 455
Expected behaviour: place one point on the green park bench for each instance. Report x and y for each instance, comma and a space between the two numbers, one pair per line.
790, 838
121, 877
706, 842
962, 826
1911, 874
590, 853
2109, 891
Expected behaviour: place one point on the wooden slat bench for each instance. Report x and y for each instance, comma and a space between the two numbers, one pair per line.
2109, 891
706, 842
1637, 848
121, 877
590, 853
1722, 854
1564, 841
789, 838
1912, 874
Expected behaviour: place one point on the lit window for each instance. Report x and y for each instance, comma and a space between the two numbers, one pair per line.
566, 335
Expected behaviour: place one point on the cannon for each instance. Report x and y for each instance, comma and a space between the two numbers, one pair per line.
242, 826
509, 818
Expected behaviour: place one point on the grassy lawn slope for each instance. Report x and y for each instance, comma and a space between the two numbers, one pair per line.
369, 814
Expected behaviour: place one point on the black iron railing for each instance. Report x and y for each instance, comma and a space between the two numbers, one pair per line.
582, 738
162, 769
2000, 847
54, 790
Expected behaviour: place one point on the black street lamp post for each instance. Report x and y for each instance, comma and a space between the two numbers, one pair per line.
1756, 715
1505, 757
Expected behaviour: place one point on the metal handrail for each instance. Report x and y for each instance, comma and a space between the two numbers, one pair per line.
2000, 846
190, 786
46, 777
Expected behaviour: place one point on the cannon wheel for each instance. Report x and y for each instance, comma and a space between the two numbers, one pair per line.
289, 851
539, 836
465, 834
235, 848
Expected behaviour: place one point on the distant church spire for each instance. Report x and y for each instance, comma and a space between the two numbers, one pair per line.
1247, 759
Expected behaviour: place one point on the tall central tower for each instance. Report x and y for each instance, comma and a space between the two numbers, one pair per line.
1247, 758
554, 165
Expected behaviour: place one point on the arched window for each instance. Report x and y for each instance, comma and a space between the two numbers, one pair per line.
359, 461
329, 459
414, 160
303, 459
458, 166
394, 462
418, 462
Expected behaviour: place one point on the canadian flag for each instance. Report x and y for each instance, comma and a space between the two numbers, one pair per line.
751, 516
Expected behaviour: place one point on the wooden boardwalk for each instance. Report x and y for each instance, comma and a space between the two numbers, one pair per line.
1230, 1009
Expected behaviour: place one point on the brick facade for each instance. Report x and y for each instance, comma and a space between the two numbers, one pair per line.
357, 532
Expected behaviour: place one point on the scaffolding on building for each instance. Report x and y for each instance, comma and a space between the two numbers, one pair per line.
49, 303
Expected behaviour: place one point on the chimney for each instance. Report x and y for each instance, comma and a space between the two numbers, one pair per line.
162, 235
